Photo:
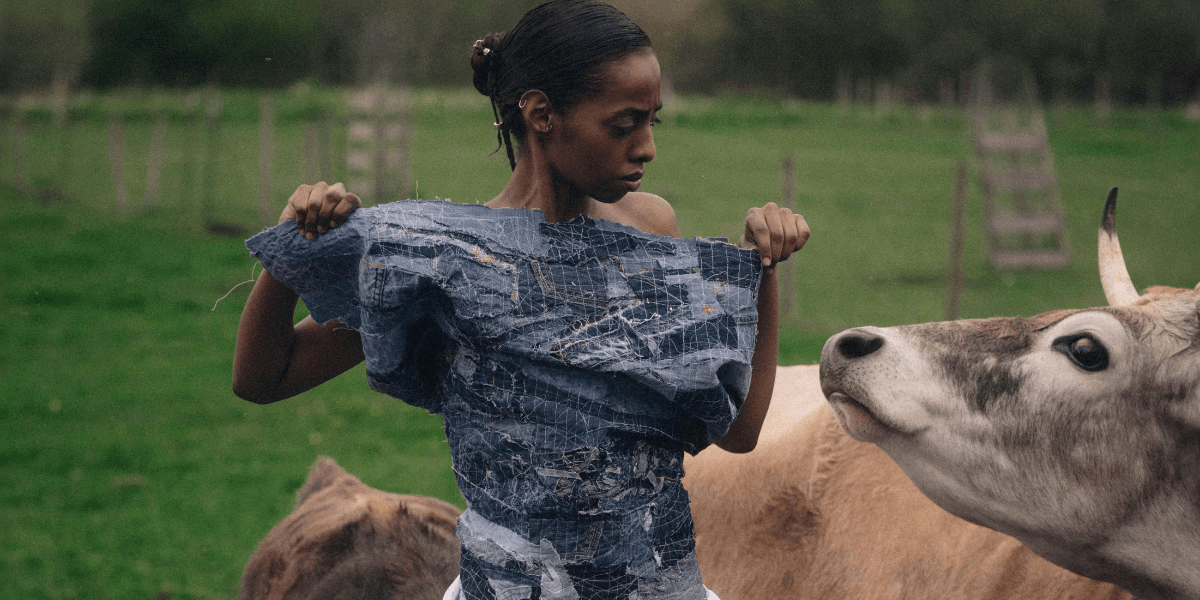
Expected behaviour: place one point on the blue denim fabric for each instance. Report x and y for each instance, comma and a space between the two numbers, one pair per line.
573, 363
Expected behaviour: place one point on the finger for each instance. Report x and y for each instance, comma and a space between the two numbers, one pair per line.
349, 204
802, 231
315, 198
332, 197
295, 207
775, 226
788, 229
758, 233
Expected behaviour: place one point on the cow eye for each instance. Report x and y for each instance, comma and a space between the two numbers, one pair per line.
1083, 350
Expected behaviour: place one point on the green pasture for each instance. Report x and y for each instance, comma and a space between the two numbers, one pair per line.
129, 470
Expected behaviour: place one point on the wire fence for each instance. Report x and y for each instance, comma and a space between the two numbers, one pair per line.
212, 158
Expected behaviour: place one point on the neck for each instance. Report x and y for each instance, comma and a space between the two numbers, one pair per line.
1152, 556
534, 185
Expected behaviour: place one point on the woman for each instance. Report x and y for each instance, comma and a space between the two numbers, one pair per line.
574, 344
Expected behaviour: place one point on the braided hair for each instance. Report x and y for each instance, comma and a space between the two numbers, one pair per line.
559, 47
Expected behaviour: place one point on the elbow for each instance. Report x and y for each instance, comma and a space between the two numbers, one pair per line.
738, 444
251, 393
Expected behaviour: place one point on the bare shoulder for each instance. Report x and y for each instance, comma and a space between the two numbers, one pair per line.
647, 212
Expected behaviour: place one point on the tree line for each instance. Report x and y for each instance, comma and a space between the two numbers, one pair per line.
1139, 51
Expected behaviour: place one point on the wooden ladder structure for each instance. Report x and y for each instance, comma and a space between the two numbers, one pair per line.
379, 143
1024, 221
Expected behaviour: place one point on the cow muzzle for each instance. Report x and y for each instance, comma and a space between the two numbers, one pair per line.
847, 363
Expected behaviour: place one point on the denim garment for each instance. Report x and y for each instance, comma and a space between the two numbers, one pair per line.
574, 364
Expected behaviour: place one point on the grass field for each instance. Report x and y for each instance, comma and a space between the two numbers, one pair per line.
129, 470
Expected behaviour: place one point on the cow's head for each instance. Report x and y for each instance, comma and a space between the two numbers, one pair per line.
347, 540
1068, 430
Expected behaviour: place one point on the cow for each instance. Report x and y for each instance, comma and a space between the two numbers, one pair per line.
1076, 431
348, 541
809, 514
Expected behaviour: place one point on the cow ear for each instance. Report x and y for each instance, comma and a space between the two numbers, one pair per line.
324, 473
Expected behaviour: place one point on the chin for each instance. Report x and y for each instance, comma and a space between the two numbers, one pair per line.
611, 197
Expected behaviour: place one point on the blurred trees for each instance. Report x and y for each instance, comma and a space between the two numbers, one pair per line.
1149, 49
1144, 50
41, 40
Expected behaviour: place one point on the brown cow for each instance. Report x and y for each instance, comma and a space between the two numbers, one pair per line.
1075, 431
346, 540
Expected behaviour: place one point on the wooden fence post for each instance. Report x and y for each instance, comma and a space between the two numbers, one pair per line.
266, 157
60, 100
212, 129
20, 162
317, 155
787, 272
312, 154
116, 158
954, 273
845, 89
189, 173
158, 151
1104, 104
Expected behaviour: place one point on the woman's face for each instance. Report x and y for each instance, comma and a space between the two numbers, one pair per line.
600, 145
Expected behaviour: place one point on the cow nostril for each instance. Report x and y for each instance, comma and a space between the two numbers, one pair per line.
858, 345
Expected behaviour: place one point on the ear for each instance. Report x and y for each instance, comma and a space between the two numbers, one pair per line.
324, 473
536, 110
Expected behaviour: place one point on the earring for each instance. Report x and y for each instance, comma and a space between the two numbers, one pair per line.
521, 104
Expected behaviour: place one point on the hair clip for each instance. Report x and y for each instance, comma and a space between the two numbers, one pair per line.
498, 125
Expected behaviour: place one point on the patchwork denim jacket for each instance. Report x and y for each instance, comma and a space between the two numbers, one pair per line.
574, 363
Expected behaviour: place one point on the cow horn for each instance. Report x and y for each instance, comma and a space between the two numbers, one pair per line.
1118, 288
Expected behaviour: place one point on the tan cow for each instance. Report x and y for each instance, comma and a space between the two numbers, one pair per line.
1077, 432
810, 513
813, 514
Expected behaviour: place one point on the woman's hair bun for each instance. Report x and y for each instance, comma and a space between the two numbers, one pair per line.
485, 62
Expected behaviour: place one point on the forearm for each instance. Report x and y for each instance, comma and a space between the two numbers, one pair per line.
266, 340
743, 433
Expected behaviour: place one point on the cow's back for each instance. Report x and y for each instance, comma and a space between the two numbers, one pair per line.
811, 513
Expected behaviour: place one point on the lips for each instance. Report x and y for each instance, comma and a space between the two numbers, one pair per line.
856, 419
632, 181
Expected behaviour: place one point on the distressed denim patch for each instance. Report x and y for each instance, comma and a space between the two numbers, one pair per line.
574, 363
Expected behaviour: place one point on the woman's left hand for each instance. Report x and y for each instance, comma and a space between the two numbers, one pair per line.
776, 233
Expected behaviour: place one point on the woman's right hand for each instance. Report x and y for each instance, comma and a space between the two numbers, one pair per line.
319, 208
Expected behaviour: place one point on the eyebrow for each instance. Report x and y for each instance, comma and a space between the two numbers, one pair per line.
636, 112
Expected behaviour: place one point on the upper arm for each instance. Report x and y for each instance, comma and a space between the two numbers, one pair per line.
321, 353
274, 359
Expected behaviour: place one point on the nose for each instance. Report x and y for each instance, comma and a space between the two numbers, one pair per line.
856, 343
644, 151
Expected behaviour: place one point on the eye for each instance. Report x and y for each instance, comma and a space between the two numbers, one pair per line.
1083, 350
623, 130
